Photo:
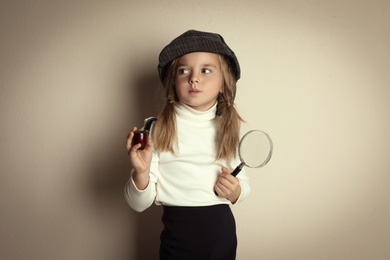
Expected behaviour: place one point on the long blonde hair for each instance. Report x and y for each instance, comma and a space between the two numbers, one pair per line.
228, 120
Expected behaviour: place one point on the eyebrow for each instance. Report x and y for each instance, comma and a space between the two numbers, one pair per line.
209, 65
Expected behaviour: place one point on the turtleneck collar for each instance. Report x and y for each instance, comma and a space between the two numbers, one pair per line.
188, 115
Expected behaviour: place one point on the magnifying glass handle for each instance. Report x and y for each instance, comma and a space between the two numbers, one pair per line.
238, 169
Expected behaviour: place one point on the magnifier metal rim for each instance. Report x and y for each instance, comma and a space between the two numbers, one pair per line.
269, 154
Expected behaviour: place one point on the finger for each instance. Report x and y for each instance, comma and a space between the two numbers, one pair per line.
228, 183
149, 144
223, 184
217, 190
225, 170
226, 173
129, 138
133, 149
221, 190
131, 131
128, 144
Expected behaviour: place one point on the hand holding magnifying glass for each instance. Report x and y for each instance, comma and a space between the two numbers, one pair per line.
255, 150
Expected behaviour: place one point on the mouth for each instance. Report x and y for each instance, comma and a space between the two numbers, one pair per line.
194, 90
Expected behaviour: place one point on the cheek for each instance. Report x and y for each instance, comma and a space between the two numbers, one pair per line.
179, 89
180, 82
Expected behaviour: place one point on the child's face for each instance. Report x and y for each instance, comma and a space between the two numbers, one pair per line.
198, 79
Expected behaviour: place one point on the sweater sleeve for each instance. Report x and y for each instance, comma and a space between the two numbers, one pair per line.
140, 200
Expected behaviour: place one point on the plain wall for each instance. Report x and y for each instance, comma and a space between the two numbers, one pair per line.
77, 75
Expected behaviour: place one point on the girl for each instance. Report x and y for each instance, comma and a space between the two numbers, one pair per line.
186, 168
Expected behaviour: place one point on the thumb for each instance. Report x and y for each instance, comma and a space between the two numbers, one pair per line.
225, 170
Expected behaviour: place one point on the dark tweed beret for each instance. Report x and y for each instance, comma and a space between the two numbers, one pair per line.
196, 41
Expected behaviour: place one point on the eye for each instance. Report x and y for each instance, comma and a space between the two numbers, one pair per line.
206, 71
183, 71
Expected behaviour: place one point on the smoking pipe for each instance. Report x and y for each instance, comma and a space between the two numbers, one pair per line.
141, 135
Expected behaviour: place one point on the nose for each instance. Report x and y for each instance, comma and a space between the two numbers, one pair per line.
193, 79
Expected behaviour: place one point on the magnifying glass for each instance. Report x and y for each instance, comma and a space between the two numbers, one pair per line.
255, 150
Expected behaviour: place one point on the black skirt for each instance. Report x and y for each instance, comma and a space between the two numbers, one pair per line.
201, 233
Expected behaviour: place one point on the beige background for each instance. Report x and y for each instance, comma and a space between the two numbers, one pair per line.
77, 75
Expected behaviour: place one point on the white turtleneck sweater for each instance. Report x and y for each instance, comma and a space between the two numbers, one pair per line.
187, 178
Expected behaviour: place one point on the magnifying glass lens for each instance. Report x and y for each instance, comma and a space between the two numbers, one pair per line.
255, 149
